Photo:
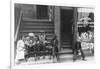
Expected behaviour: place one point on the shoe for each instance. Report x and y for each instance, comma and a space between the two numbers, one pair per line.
84, 59
74, 60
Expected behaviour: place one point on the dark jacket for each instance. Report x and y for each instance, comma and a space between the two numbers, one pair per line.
78, 45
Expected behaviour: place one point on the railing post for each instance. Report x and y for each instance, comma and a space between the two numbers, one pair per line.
75, 31
18, 26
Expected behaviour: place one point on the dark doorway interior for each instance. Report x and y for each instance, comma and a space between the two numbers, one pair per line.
66, 27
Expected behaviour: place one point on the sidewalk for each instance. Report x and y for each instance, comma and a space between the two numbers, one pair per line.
63, 59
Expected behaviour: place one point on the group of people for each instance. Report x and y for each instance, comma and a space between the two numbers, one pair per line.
36, 46
39, 45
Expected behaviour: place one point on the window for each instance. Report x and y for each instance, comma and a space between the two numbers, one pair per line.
42, 12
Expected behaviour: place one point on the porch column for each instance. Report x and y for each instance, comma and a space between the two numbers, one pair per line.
75, 27
57, 24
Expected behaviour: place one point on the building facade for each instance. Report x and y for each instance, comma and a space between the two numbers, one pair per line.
68, 23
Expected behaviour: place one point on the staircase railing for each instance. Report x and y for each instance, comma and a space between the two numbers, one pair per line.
18, 26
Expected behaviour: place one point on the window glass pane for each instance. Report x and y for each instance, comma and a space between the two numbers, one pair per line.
42, 12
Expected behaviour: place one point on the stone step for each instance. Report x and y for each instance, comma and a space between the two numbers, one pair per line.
66, 43
66, 51
39, 27
38, 30
66, 47
34, 23
25, 19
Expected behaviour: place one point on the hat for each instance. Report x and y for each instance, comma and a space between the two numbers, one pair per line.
42, 31
31, 34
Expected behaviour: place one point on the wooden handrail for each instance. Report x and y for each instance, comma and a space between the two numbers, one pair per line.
18, 26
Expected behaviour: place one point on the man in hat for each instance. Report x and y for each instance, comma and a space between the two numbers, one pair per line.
42, 40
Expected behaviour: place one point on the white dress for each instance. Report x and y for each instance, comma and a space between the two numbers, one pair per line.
20, 50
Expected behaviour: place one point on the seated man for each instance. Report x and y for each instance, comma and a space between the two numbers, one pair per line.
54, 43
42, 40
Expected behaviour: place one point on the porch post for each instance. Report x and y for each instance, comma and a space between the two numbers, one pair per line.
57, 24
75, 30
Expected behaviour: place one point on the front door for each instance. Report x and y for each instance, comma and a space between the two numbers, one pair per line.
66, 28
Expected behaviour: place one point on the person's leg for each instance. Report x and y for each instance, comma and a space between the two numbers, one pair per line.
75, 55
35, 52
43, 49
28, 53
38, 51
53, 54
82, 54
57, 54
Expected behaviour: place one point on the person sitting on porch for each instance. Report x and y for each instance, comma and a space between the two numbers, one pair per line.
54, 43
29, 44
32, 38
42, 38
20, 50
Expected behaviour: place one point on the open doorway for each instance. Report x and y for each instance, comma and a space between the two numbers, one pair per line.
66, 27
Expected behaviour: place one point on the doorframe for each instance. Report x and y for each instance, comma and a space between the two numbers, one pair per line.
65, 8
57, 24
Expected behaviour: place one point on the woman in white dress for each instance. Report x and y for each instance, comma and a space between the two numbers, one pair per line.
20, 50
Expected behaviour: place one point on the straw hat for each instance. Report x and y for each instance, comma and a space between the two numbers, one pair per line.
31, 34
42, 31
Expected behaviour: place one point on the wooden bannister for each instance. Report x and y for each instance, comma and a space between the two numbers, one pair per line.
18, 26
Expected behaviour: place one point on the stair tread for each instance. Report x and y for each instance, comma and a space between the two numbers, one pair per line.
34, 23
35, 20
38, 26
36, 30
36, 33
65, 50
66, 41
67, 45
